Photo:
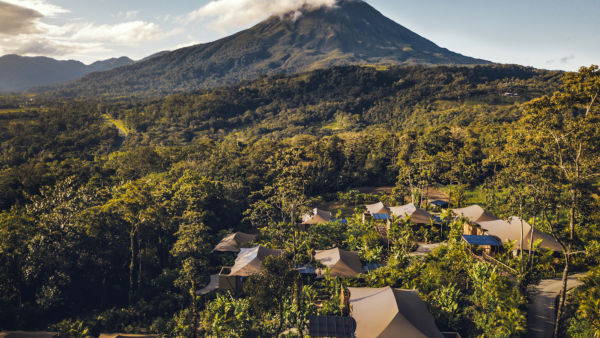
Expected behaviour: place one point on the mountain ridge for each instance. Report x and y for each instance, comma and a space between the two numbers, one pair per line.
352, 32
19, 73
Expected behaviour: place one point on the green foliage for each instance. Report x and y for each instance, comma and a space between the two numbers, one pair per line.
226, 316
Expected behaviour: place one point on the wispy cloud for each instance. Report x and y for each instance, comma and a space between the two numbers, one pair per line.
229, 14
128, 15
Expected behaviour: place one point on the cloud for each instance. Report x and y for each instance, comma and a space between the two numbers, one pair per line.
566, 59
122, 33
40, 6
129, 15
228, 14
24, 31
563, 60
17, 20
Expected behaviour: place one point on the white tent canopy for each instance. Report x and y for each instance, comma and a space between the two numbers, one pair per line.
248, 261
317, 216
475, 214
233, 242
417, 215
388, 312
377, 208
511, 231
341, 263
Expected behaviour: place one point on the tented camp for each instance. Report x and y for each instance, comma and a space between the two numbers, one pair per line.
248, 261
474, 213
317, 216
233, 242
388, 312
511, 231
341, 263
487, 243
417, 215
28, 334
377, 208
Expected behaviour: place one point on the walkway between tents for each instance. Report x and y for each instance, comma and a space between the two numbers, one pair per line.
542, 311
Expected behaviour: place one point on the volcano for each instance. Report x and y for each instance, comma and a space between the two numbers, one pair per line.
350, 33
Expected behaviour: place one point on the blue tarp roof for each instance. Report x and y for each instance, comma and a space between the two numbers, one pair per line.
481, 240
439, 203
340, 220
381, 216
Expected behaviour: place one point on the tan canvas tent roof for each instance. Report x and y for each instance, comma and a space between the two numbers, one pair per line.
248, 261
511, 231
317, 216
388, 312
233, 242
341, 263
475, 214
377, 208
28, 334
417, 215
126, 335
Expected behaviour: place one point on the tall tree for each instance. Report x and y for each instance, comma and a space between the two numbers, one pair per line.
561, 134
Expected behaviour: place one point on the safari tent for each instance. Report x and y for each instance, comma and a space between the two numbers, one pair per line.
511, 231
233, 242
474, 213
388, 312
248, 261
417, 215
377, 208
317, 216
28, 334
341, 263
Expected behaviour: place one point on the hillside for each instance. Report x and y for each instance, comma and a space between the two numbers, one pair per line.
351, 33
19, 73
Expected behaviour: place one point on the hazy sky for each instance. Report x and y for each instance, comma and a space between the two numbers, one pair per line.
552, 34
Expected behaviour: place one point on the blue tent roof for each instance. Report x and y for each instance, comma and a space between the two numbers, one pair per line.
340, 220
481, 240
439, 203
381, 216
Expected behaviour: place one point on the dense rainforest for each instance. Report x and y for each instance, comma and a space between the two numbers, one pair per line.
110, 207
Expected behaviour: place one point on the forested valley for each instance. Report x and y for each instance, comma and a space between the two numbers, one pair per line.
110, 208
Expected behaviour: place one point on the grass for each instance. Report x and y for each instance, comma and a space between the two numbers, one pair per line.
473, 196
118, 123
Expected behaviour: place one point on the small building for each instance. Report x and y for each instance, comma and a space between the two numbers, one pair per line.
474, 214
331, 326
487, 243
417, 215
317, 216
439, 204
233, 242
248, 262
341, 263
390, 312
511, 231
377, 208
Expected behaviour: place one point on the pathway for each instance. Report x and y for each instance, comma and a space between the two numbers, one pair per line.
542, 310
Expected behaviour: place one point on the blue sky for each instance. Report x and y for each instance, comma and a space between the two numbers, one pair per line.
549, 34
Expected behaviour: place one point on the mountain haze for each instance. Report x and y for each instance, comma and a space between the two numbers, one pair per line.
352, 32
19, 73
